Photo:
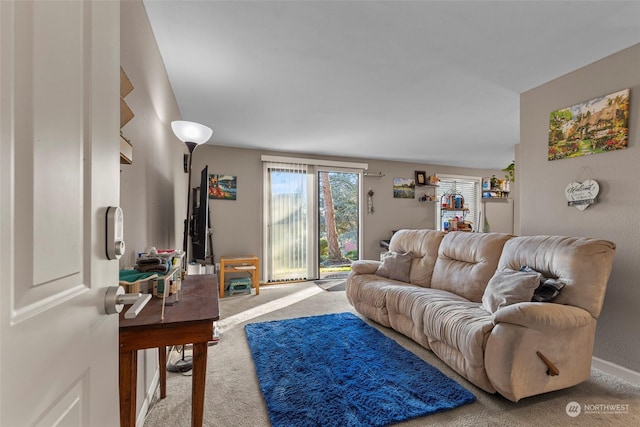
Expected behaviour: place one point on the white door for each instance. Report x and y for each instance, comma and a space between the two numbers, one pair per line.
59, 171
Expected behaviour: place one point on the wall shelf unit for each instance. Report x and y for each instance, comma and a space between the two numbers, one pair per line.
430, 185
430, 193
126, 148
496, 199
126, 151
453, 211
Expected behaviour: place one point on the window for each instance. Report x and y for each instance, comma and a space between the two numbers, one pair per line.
469, 188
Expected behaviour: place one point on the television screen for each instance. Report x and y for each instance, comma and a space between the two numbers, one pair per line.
200, 218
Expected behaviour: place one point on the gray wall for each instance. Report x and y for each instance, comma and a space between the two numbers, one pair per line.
153, 188
237, 225
543, 207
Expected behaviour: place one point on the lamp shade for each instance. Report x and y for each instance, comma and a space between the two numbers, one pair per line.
191, 131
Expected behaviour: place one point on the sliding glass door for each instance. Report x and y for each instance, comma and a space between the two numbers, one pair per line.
312, 221
288, 251
338, 222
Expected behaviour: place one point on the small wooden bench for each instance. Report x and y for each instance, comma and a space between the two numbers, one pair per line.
246, 264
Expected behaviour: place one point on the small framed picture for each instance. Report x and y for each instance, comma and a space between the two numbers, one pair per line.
421, 178
222, 187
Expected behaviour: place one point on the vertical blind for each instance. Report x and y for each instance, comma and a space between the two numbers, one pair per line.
469, 188
287, 222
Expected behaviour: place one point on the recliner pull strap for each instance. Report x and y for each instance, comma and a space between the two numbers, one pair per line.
552, 371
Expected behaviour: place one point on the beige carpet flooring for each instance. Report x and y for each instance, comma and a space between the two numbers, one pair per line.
233, 398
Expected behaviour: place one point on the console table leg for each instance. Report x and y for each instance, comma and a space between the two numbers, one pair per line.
128, 372
162, 364
199, 377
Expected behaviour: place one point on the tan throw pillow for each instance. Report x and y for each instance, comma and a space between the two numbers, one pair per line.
395, 266
508, 287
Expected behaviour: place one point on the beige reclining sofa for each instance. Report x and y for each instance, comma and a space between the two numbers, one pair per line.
468, 298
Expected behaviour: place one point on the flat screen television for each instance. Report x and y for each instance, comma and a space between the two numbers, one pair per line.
200, 218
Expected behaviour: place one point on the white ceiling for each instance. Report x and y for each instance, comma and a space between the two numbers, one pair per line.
421, 81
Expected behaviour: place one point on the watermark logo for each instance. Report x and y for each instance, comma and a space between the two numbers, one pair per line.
606, 408
573, 409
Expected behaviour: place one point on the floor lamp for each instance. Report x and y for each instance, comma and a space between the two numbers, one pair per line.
192, 134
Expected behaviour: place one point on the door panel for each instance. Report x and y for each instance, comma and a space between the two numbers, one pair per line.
49, 145
339, 220
70, 408
59, 80
287, 248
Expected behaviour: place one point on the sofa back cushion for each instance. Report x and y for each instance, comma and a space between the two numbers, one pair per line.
423, 247
466, 262
582, 264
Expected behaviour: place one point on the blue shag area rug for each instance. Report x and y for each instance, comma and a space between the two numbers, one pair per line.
335, 370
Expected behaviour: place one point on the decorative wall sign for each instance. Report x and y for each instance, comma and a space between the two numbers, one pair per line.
222, 187
581, 195
595, 126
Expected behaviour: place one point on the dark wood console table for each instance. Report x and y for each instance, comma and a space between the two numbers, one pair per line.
190, 321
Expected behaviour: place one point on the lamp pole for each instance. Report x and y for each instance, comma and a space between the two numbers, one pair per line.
192, 134
187, 223
183, 364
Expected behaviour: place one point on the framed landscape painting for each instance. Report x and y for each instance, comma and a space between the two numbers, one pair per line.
404, 188
592, 127
222, 187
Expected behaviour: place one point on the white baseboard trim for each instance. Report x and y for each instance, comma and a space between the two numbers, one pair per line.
155, 383
616, 370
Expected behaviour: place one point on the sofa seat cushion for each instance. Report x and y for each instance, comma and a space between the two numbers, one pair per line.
457, 332
368, 295
406, 305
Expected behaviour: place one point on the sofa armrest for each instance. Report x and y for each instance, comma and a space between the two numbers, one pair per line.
365, 266
543, 316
